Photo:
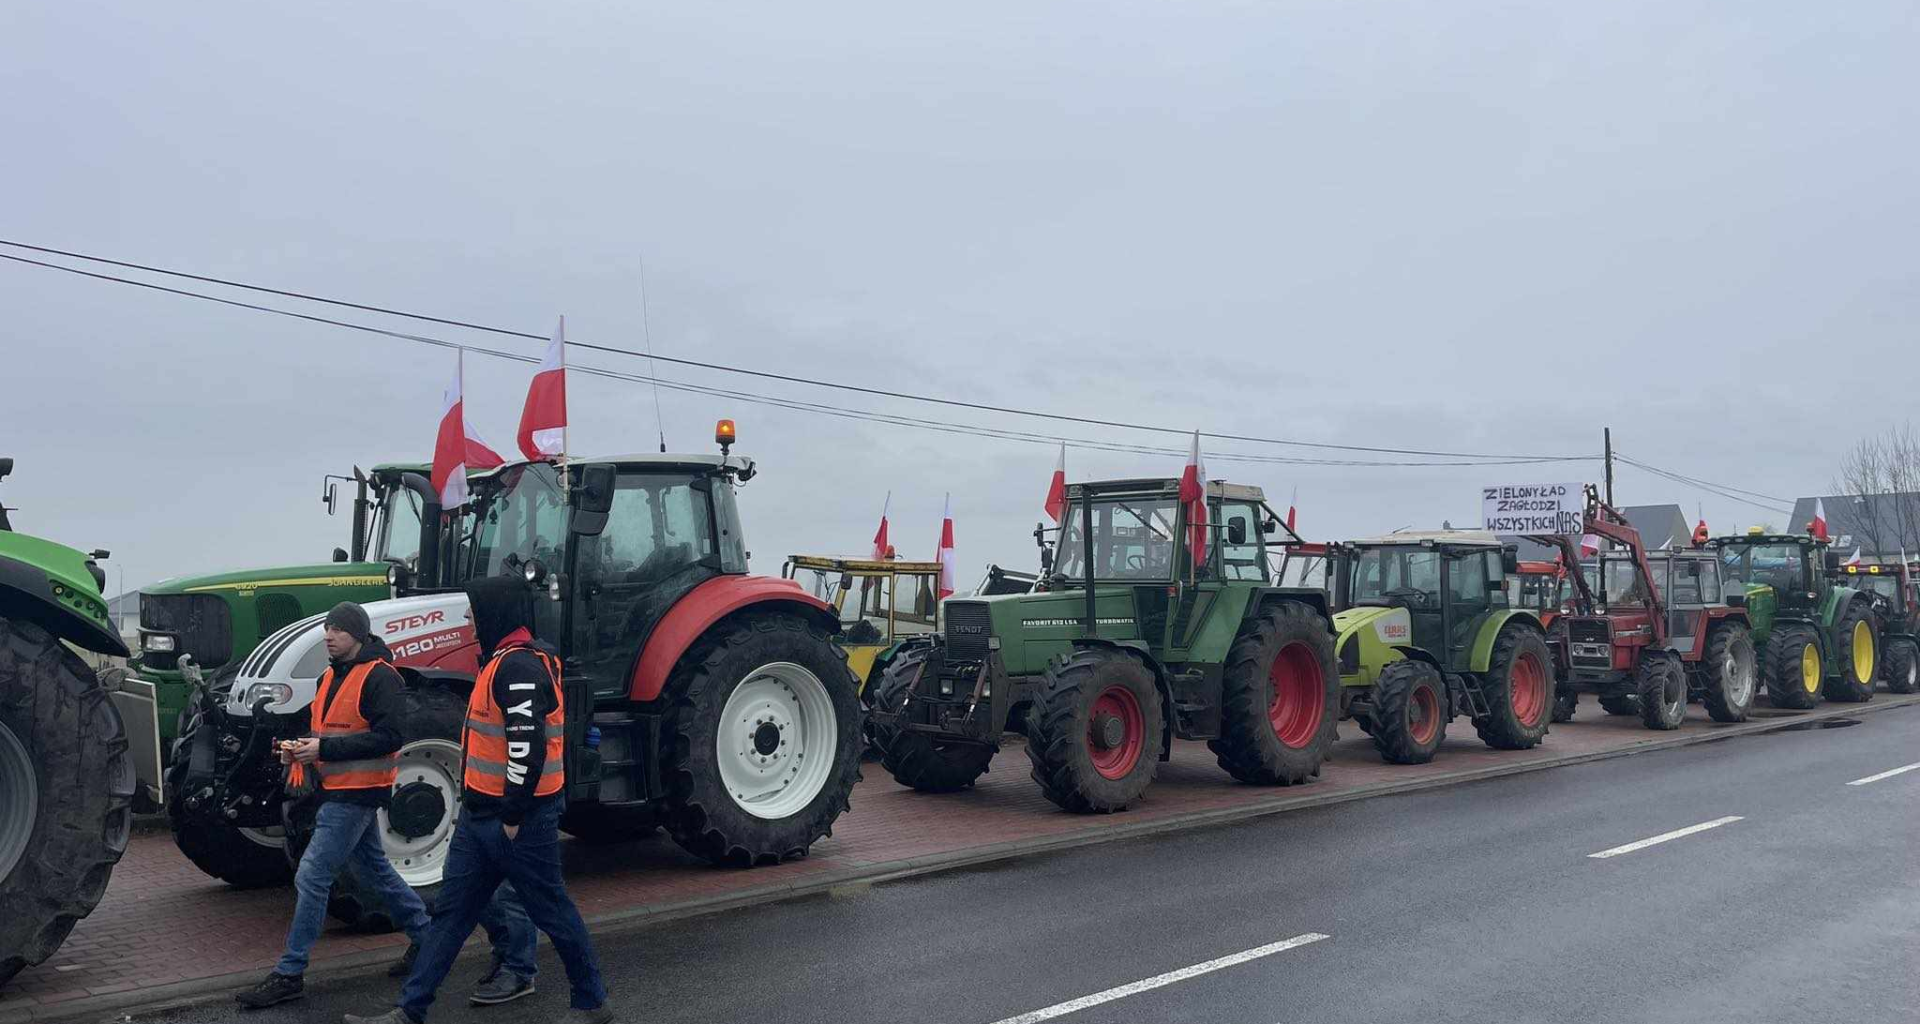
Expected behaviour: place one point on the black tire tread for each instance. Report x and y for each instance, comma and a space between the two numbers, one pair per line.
218, 850
1728, 638
915, 759
1843, 688
1392, 696
1651, 678
1902, 659
1499, 728
1782, 666
1621, 705
1057, 738
1247, 748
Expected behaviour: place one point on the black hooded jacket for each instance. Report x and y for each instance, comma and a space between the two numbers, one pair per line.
383, 705
522, 689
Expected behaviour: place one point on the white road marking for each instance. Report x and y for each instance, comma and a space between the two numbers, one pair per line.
1663, 837
1161, 980
1885, 775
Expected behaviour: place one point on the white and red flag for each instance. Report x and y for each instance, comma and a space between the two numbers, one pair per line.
881, 548
1819, 525
1853, 559
945, 556
1056, 503
543, 423
457, 448
1589, 545
1193, 496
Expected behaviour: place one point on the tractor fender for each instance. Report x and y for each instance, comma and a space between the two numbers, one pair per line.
1490, 631
1161, 682
1268, 597
26, 593
702, 607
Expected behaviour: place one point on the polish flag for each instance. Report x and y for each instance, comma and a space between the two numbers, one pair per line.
1193, 495
1589, 545
457, 448
880, 545
1056, 504
1853, 559
1819, 525
543, 423
948, 561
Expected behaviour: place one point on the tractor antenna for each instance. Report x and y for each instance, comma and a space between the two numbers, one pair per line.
646, 335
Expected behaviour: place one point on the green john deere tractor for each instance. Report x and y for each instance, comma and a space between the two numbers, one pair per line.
1815, 636
1132, 643
1426, 634
66, 780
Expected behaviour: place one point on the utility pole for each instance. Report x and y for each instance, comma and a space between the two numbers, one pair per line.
1609, 457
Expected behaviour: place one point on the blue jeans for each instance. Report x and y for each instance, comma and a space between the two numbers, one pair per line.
343, 834
512, 935
480, 859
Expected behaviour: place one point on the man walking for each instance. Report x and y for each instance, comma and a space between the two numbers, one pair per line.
349, 763
513, 938
515, 745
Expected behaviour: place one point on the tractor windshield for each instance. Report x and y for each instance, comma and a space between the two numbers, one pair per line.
1780, 566
397, 532
1623, 585
525, 520
1133, 539
1381, 574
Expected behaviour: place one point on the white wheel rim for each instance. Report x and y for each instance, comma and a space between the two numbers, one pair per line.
777, 739
1912, 671
271, 838
421, 860
19, 800
1739, 680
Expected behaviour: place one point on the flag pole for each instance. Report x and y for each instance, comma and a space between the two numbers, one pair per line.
566, 491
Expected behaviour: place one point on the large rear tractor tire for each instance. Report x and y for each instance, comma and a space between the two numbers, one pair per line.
1662, 686
1519, 688
417, 828
1730, 673
1859, 656
761, 740
1903, 667
1410, 712
245, 858
1280, 698
66, 793
1096, 731
918, 760
1621, 705
1793, 667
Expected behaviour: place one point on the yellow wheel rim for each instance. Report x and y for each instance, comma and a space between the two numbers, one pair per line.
1862, 651
1810, 668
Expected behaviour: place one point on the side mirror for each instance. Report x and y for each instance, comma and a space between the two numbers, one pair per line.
1270, 527
595, 489
330, 496
1496, 586
339, 554
1237, 530
1509, 561
6, 467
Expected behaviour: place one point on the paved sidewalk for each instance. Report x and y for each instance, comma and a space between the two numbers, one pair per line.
166, 931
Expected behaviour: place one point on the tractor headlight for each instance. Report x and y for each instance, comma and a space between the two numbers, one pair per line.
993, 643
159, 643
397, 576
272, 693
946, 687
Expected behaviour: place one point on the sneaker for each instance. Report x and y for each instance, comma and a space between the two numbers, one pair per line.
500, 986
602, 1014
278, 988
393, 1016
404, 966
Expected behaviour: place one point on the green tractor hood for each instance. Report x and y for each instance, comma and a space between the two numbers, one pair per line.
57, 591
1033, 628
1368, 638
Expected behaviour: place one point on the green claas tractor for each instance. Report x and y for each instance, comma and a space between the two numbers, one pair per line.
1895, 610
1425, 634
1130, 645
66, 782
1815, 636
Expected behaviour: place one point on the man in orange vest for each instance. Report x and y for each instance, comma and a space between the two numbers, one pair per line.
348, 761
513, 791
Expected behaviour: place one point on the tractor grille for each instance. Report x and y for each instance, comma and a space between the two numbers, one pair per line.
202, 621
1589, 631
968, 626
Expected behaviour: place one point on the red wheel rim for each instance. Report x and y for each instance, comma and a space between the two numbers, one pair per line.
1528, 689
1117, 761
1423, 713
1299, 696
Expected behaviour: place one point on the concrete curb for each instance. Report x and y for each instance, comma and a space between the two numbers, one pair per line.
365, 964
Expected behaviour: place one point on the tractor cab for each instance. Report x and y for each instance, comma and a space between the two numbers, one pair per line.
1891, 588
879, 604
1542, 588
1439, 587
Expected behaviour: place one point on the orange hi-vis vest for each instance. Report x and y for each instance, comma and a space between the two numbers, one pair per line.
485, 739
341, 716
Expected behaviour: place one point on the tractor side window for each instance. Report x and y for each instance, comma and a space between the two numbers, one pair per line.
1242, 561
1710, 590
1467, 581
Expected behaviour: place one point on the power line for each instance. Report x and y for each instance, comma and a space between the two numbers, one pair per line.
763, 374
1701, 485
1724, 487
793, 404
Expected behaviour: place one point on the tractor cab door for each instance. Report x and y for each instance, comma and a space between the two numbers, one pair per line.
1475, 587
1691, 585
1196, 600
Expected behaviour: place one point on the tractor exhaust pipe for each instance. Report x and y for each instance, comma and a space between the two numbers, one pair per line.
429, 571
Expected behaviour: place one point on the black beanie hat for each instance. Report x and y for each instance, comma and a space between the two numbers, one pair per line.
351, 619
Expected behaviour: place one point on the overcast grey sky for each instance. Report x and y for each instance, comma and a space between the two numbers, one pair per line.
1474, 226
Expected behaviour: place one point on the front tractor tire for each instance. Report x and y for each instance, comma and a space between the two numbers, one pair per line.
245, 858
1903, 666
1793, 668
1095, 731
1859, 656
1730, 673
66, 793
1662, 686
1410, 712
920, 760
1519, 688
761, 740
1280, 698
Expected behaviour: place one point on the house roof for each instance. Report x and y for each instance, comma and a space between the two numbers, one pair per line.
1880, 525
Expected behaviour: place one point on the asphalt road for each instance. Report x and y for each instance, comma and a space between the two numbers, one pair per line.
1480, 902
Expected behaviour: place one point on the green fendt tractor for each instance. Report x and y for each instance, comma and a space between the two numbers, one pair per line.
212, 622
1425, 634
1130, 645
66, 782
1815, 636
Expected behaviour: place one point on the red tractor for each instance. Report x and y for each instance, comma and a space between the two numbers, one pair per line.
1541, 588
1659, 630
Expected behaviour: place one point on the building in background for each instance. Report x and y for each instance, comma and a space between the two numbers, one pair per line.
1882, 526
